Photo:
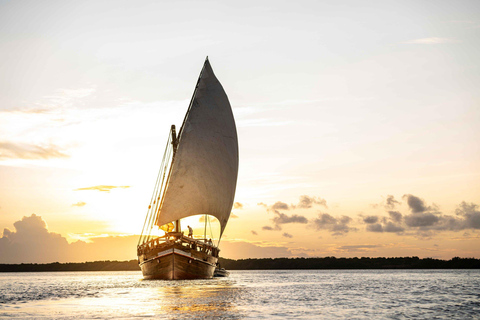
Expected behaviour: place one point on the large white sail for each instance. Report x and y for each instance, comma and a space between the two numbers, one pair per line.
205, 167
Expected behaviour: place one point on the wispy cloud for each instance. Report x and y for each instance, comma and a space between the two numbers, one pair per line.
432, 40
358, 248
102, 188
237, 205
10, 150
79, 204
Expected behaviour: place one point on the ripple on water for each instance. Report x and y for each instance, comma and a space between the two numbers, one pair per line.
301, 294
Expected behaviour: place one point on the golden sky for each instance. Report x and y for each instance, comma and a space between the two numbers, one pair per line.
358, 124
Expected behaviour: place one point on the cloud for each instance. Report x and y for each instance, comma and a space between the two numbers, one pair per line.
234, 216
392, 227
268, 228
390, 202
338, 226
421, 219
79, 204
470, 213
388, 227
102, 188
31, 242
307, 202
370, 219
211, 218
357, 248
254, 232
425, 220
281, 218
287, 235
432, 40
375, 227
415, 203
279, 206
237, 205
9, 150
395, 216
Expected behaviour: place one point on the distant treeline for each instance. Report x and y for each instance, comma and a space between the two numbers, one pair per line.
349, 263
265, 264
72, 266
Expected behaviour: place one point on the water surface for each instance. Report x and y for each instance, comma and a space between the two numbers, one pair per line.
279, 294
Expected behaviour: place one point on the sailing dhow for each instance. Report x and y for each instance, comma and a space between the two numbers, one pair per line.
198, 176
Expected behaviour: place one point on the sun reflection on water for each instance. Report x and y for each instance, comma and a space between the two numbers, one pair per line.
210, 299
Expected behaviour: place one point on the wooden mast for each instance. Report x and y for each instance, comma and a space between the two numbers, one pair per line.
178, 227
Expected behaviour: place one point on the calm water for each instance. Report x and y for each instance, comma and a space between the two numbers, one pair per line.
285, 294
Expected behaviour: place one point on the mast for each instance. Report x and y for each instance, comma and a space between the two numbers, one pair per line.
178, 227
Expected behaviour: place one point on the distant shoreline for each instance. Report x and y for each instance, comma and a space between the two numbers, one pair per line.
264, 264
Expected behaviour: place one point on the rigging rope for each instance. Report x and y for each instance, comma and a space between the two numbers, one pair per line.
154, 199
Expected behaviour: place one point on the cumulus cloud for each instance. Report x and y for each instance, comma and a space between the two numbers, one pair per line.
390, 202
102, 188
279, 206
392, 227
388, 227
9, 150
415, 203
421, 219
395, 216
31, 242
306, 202
370, 219
338, 226
375, 227
281, 218
470, 213
425, 220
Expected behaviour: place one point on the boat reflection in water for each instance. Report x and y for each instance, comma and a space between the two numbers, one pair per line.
199, 299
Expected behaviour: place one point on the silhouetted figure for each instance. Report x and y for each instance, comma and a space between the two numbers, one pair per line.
190, 231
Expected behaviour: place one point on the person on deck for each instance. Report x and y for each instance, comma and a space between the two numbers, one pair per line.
190, 231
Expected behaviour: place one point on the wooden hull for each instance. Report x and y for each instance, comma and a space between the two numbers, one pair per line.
173, 263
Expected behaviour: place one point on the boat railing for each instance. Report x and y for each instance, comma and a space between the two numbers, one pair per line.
178, 237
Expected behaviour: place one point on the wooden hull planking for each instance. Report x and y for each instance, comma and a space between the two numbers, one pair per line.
173, 263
